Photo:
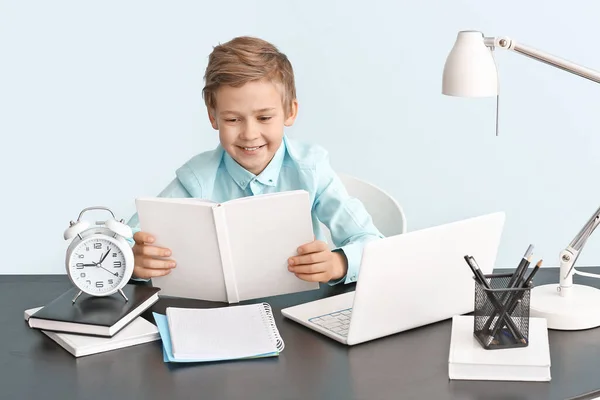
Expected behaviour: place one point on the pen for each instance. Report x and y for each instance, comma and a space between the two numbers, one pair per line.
521, 267
477, 271
526, 284
476, 275
522, 272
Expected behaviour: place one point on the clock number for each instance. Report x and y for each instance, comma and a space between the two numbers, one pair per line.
80, 255
83, 274
99, 284
79, 265
117, 264
114, 254
110, 281
87, 248
97, 245
88, 282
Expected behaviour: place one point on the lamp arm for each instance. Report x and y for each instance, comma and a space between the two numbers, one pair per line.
579, 241
569, 256
509, 44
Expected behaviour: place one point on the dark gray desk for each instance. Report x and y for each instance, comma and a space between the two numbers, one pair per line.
409, 365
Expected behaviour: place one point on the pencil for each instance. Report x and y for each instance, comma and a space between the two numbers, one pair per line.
532, 273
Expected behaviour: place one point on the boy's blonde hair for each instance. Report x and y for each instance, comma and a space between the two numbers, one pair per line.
246, 59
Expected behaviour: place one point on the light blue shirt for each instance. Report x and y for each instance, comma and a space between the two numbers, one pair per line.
214, 175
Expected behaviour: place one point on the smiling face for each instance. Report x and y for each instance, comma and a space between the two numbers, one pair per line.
250, 120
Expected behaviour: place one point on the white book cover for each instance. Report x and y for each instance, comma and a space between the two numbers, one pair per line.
468, 360
231, 251
137, 332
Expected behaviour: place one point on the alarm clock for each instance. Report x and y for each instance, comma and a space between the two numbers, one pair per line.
99, 259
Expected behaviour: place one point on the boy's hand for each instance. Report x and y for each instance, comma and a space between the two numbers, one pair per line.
316, 263
149, 260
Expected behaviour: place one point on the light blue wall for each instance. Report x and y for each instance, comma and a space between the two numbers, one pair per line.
101, 101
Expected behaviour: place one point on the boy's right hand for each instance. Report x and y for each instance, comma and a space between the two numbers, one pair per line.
149, 260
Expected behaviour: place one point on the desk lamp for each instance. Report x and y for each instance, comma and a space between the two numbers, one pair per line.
470, 71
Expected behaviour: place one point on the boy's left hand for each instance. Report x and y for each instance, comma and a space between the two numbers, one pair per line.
316, 263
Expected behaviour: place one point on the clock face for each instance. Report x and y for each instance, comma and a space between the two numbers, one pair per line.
97, 265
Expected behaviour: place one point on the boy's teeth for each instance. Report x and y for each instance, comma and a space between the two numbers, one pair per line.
251, 148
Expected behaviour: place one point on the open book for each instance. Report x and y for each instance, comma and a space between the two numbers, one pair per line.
231, 251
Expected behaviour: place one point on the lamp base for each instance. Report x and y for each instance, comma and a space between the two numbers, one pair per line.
579, 310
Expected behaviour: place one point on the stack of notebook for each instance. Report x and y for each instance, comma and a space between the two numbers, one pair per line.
217, 334
97, 324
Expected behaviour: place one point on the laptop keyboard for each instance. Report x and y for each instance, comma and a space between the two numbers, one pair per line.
337, 322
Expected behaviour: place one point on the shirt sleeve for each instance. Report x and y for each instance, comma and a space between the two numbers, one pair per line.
174, 190
347, 219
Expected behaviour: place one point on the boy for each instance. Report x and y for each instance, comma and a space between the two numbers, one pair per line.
250, 97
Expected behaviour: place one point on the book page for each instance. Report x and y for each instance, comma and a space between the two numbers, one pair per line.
187, 228
220, 333
264, 231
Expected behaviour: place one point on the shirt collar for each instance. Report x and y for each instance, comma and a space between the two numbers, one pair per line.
268, 176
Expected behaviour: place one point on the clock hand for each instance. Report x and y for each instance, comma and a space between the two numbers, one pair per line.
112, 273
104, 256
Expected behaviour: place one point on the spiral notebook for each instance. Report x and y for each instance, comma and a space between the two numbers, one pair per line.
218, 334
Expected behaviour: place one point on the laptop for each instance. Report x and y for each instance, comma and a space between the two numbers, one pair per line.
407, 281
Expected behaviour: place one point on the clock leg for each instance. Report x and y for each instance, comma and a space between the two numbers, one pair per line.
78, 294
123, 294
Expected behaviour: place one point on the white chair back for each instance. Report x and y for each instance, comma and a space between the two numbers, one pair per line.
388, 216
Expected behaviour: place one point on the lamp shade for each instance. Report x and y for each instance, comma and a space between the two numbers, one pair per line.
470, 69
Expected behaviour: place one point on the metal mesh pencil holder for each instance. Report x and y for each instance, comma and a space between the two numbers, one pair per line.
501, 317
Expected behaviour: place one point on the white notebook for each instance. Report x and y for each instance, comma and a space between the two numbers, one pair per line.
469, 361
137, 332
223, 333
231, 251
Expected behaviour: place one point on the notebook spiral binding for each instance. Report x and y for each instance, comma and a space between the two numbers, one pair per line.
269, 320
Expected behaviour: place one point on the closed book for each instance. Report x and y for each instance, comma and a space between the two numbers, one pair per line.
468, 360
137, 332
94, 315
